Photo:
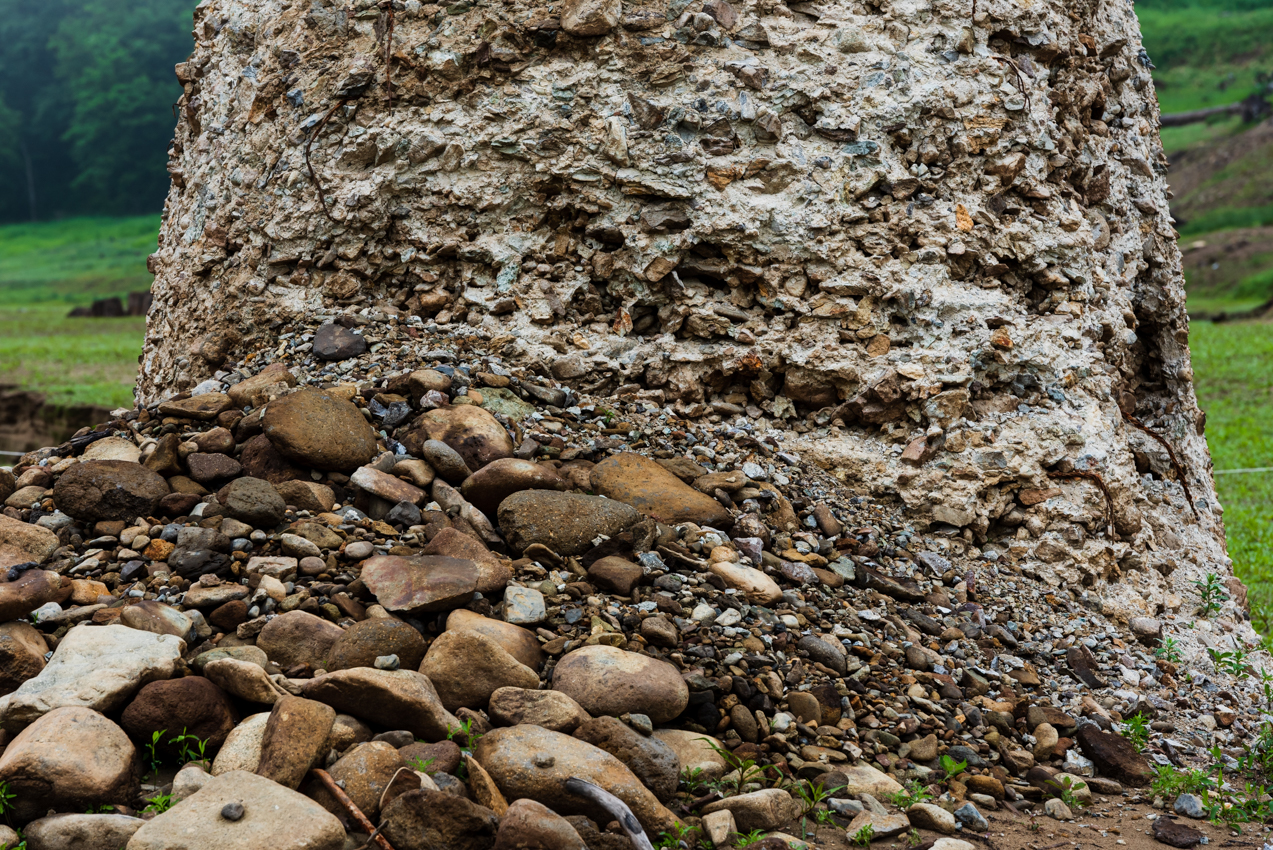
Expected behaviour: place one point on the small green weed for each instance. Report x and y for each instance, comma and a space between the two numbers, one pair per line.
1169, 782
953, 768
192, 747
913, 793
864, 836
420, 765
1211, 591
1232, 662
6, 800
746, 839
1068, 789
159, 803
151, 756
1168, 650
1137, 731
744, 771
679, 837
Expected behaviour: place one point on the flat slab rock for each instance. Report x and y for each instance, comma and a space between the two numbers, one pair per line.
96, 667
273, 816
1176, 834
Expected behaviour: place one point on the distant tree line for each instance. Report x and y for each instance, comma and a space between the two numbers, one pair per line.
86, 94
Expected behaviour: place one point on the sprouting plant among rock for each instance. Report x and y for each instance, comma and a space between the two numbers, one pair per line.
1137, 731
913, 793
1211, 591
952, 767
1168, 650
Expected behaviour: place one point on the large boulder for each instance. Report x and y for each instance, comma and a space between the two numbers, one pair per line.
567, 523
533, 762
467, 667
517, 642
528, 825
656, 492
31, 590
98, 667
493, 572
608, 680
1114, 756
317, 429
98, 490
254, 501
653, 762
364, 773
395, 699
550, 709
273, 817
474, 433
242, 749
71, 758
23, 543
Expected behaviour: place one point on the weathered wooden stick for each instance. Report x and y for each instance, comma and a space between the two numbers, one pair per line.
615, 807
343, 798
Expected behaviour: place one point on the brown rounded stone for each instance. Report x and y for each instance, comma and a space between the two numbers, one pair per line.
615, 575
550, 709
22, 543
467, 667
364, 773
108, 489
499, 479
261, 460
295, 739
188, 706
364, 641
317, 429
567, 523
22, 650
298, 637
432, 820
517, 642
608, 680
32, 589
528, 825
493, 572
653, 762
655, 492
467, 428
441, 757
69, 759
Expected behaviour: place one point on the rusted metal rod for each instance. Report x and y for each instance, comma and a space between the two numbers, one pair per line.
343, 798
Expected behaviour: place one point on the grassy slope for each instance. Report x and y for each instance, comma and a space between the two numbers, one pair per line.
46, 268
1234, 367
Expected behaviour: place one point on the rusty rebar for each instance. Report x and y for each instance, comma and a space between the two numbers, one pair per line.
354, 812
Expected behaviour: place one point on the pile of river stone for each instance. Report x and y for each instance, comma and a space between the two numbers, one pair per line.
455, 585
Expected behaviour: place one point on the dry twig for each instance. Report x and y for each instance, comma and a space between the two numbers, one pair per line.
615, 807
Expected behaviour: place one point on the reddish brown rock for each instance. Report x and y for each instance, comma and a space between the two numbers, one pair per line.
420, 583
499, 479
295, 739
363, 642
317, 429
467, 428
493, 572
108, 489
261, 460
187, 706
655, 492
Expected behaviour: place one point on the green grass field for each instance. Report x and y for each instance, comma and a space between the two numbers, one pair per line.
1234, 368
49, 267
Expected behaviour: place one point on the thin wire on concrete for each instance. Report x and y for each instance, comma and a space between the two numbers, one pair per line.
1238, 471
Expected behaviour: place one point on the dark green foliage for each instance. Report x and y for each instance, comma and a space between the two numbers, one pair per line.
86, 94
